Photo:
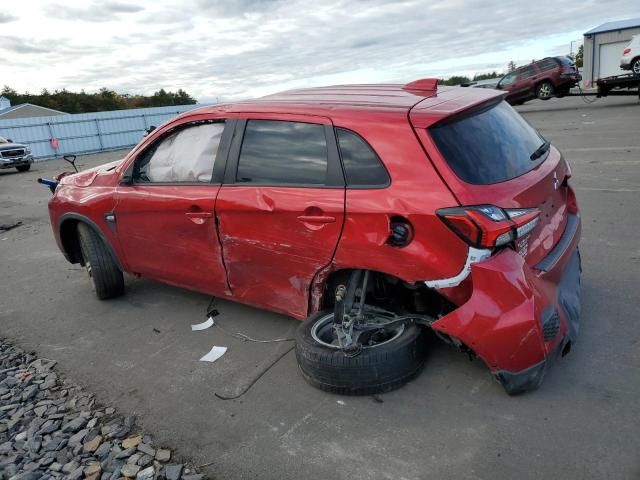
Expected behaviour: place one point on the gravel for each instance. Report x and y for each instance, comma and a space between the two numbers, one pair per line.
51, 428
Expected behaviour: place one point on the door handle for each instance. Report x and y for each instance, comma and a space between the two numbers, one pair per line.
316, 219
198, 217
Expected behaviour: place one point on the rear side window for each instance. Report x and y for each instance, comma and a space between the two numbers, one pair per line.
279, 152
527, 72
548, 64
362, 165
489, 146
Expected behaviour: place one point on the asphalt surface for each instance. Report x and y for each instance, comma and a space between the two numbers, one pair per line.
454, 421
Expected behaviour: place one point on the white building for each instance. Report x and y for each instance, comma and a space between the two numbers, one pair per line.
603, 48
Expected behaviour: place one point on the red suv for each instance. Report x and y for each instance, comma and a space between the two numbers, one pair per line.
377, 213
546, 78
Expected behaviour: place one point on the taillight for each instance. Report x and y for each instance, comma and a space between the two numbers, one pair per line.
487, 226
626, 50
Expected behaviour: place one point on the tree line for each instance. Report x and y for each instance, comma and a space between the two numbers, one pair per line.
102, 101
461, 79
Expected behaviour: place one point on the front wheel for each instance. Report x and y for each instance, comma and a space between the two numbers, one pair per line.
107, 278
544, 91
23, 168
383, 361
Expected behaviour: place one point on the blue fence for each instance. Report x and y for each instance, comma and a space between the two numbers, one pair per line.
86, 132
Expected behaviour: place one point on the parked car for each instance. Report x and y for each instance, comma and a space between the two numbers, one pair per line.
631, 56
374, 213
489, 83
14, 155
543, 79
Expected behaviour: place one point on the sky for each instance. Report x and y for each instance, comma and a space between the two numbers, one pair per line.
220, 50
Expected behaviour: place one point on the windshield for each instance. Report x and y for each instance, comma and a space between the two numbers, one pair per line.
3, 140
491, 145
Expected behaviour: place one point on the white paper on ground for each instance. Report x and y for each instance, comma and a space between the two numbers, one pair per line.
202, 326
214, 354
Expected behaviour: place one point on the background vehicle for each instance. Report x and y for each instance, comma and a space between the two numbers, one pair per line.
631, 56
14, 155
374, 212
543, 79
489, 83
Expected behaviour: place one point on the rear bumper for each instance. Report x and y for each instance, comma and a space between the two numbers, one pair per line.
520, 319
16, 161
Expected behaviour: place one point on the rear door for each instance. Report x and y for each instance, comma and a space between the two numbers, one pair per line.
485, 156
526, 79
164, 217
281, 209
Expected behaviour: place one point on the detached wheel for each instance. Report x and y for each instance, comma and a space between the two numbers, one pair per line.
544, 91
23, 168
107, 278
381, 362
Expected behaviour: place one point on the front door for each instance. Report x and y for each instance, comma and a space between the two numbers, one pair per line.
281, 210
165, 217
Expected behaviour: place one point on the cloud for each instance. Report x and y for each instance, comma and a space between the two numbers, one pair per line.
96, 12
7, 17
216, 48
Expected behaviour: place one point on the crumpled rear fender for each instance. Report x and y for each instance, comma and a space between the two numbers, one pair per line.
500, 322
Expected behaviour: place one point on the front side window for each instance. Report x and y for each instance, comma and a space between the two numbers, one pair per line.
184, 156
362, 165
508, 79
279, 153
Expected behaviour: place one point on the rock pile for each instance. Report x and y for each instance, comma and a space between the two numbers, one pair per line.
52, 429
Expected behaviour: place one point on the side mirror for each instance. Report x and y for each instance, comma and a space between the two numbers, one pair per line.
72, 160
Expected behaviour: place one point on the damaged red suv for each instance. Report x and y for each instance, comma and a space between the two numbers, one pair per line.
375, 213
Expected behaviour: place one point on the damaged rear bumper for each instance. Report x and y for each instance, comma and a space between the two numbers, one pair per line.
520, 319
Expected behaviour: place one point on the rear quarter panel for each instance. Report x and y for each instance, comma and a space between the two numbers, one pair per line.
415, 193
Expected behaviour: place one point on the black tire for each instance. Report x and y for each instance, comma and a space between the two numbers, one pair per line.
635, 66
375, 369
107, 278
23, 168
545, 91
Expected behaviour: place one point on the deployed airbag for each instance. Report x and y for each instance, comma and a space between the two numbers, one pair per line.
187, 155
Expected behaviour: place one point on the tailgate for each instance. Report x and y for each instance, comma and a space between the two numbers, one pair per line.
486, 156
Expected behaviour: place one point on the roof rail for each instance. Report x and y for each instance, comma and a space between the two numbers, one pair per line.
423, 84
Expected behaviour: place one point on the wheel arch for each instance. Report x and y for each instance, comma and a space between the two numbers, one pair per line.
326, 281
71, 243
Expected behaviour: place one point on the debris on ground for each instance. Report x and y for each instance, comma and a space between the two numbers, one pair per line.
5, 227
50, 428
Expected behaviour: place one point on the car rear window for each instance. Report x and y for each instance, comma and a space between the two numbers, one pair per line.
490, 145
565, 60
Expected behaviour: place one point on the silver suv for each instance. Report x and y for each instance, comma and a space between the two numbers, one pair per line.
631, 56
14, 155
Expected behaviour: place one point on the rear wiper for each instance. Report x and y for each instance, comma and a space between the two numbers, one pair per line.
541, 150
